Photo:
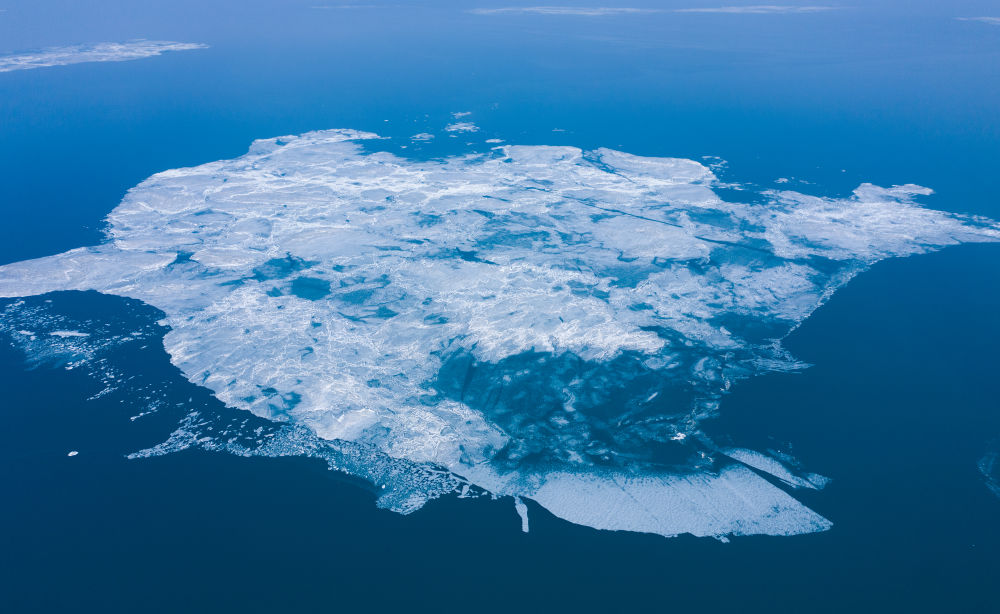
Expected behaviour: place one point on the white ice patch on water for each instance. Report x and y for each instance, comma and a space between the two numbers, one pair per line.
462, 127
993, 21
522, 511
734, 502
96, 52
68, 333
542, 322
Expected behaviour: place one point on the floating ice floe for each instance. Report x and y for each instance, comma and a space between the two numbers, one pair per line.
462, 127
96, 52
540, 322
68, 333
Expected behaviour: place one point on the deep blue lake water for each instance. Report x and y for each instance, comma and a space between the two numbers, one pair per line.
898, 408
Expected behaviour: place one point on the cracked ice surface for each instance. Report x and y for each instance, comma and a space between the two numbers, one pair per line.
543, 322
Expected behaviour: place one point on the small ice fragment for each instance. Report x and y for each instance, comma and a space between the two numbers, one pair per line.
679, 437
522, 511
68, 333
72, 453
817, 480
462, 127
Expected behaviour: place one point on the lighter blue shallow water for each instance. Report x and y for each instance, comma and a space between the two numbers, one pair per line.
898, 407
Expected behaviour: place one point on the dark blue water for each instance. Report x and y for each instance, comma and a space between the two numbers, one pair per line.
898, 408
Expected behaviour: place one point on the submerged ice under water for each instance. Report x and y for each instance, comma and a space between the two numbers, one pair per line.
540, 322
